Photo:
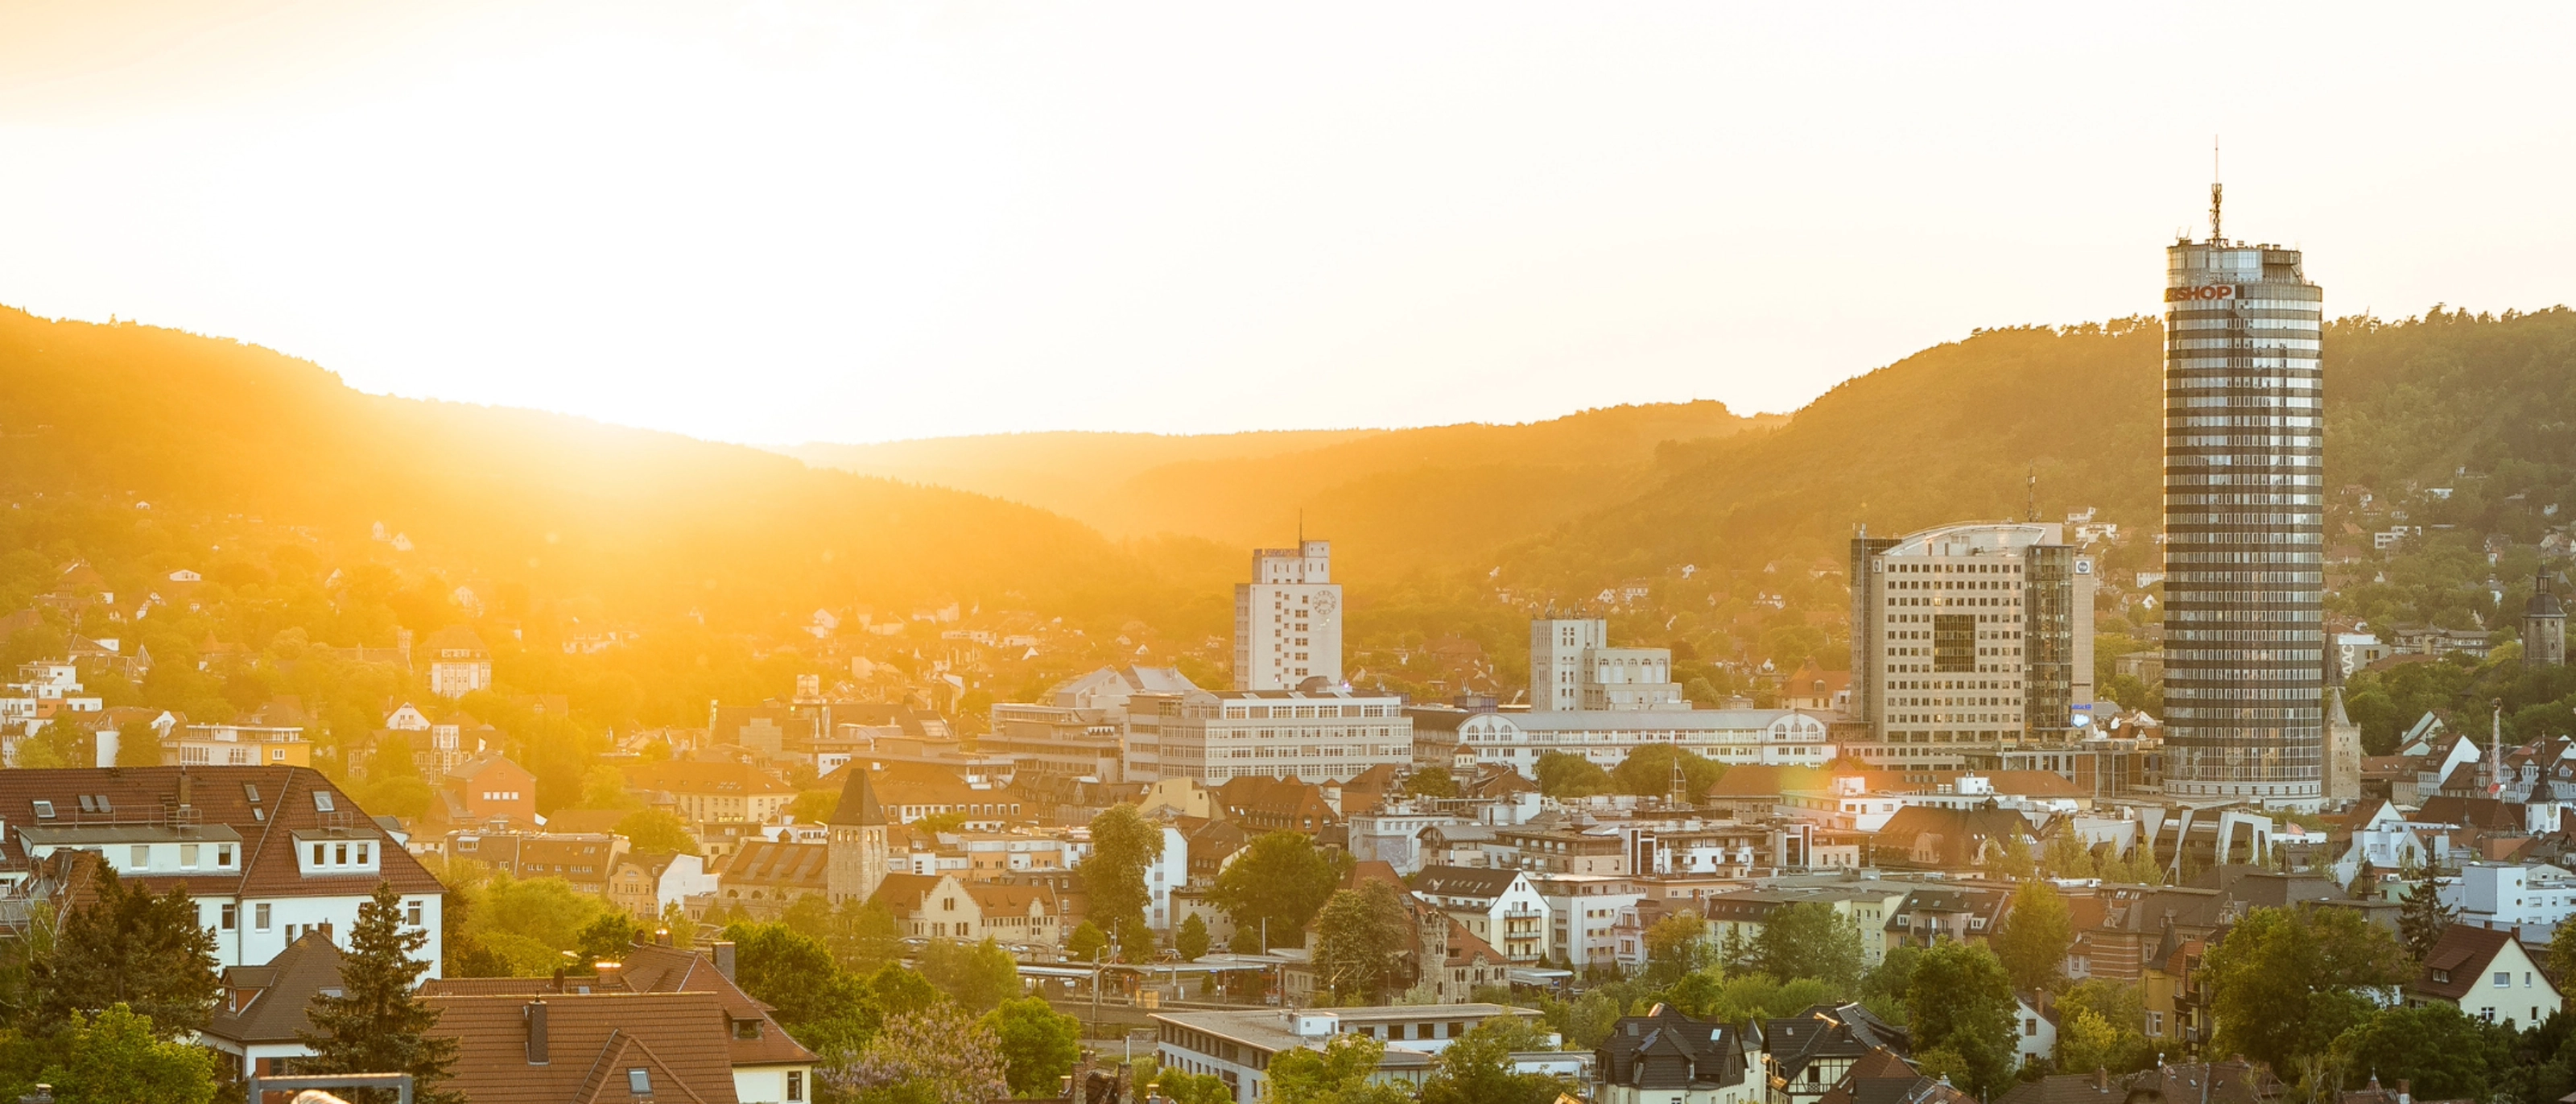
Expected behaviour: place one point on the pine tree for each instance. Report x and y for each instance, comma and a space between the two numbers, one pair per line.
2424, 917
378, 1023
128, 946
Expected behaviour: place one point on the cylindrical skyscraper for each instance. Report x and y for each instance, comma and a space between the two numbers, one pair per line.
2244, 524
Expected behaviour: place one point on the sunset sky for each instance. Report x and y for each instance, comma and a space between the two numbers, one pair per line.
783, 222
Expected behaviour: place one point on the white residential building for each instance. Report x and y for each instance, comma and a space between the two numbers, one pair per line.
1501, 907
1393, 835
268, 853
1731, 736
2530, 900
1288, 619
1584, 915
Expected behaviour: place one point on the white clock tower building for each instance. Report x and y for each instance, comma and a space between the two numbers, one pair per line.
1288, 619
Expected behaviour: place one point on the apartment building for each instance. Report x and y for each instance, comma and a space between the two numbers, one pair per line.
1315, 735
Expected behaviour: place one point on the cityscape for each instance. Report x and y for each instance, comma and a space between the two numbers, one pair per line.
2056, 713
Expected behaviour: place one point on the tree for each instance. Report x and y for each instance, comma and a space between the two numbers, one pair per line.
375, 1022
1431, 782
978, 976
657, 831
1123, 844
1357, 938
2282, 985
119, 1056
2116, 1039
1809, 940
1281, 878
1477, 1068
2067, 855
604, 787
1337, 1074
1678, 945
2035, 935
2445, 1052
934, 1055
1960, 1000
1883, 989
1563, 774
1190, 940
794, 974
1038, 1044
138, 744
1648, 772
865, 935
1087, 943
2424, 917
132, 947
1182, 1086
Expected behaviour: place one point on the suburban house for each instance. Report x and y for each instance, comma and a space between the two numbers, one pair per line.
267, 852
944, 907
1664, 1056
1501, 907
2486, 973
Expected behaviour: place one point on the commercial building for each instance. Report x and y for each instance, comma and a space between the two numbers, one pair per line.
1309, 734
1080, 729
1288, 619
2244, 523
1968, 636
1573, 667
1730, 736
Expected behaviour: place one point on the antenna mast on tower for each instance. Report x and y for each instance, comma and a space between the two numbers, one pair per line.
2217, 191
2034, 493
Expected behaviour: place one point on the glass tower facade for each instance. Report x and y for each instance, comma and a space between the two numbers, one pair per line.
2244, 525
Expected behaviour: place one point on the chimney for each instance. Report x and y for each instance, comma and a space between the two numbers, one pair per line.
2101, 1080
2405, 1091
611, 976
535, 1013
662, 937
723, 949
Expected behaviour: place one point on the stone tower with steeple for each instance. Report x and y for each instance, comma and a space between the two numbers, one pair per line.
855, 841
2544, 627
2343, 751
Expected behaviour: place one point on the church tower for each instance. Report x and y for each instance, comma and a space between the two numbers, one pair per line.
855, 843
2544, 627
2343, 751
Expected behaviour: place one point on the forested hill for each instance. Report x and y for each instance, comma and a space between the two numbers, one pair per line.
2482, 403
650, 525
1393, 501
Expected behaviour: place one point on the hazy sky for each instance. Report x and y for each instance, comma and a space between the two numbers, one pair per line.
783, 222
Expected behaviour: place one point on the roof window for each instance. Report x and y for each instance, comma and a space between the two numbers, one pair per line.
44, 810
639, 1081
251, 790
88, 804
322, 801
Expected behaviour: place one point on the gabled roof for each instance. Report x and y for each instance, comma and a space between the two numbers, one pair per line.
452, 638
652, 968
1664, 1049
1464, 881
591, 1041
217, 797
2459, 960
774, 863
272, 999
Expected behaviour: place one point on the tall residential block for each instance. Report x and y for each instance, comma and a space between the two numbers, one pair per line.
1573, 667
1969, 636
2244, 524
1288, 619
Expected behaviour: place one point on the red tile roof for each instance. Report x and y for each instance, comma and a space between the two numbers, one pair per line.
679, 1039
218, 795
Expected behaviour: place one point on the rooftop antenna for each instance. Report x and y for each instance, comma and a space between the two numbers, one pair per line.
2034, 493
2216, 192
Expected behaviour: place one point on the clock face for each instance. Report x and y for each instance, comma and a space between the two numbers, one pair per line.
1325, 602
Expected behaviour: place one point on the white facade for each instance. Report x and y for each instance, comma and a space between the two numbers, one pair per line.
1584, 913
1288, 619
1573, 667
1394, 836
1731, 736
1318, 736
2530, 900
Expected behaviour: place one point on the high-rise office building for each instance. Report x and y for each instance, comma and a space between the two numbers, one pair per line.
2244, 673
1288, 619
1967, 637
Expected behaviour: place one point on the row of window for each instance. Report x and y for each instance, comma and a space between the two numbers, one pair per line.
228, 918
